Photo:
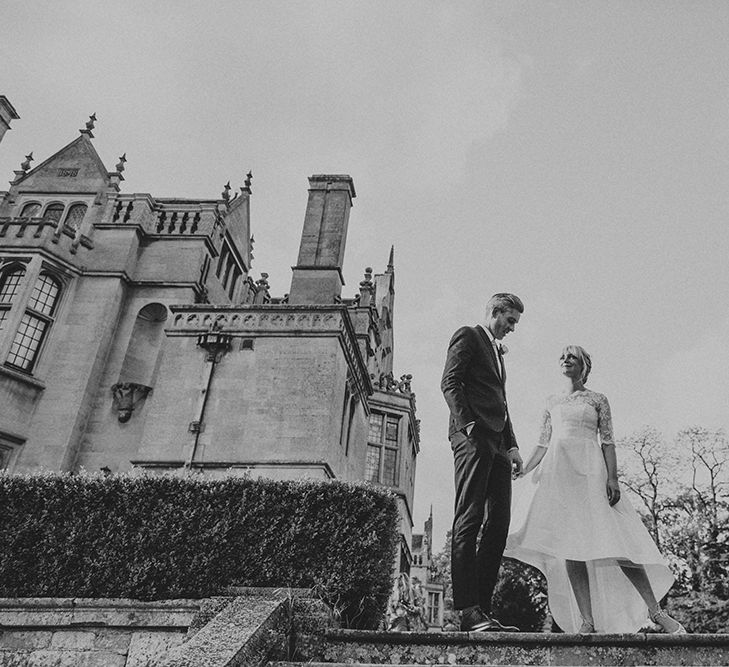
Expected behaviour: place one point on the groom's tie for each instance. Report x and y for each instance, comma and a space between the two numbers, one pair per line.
502, 369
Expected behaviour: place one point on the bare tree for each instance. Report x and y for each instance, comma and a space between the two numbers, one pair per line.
707, 505
648, 468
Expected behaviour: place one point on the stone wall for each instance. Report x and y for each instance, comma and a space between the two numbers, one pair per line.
247, 627
88, 632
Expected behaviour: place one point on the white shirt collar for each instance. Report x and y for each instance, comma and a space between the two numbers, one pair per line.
494, 342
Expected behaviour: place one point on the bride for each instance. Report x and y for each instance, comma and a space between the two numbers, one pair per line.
604, 572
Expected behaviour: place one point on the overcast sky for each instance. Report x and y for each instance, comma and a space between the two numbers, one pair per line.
575, 153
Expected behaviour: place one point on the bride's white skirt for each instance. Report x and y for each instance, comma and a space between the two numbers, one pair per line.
560, 512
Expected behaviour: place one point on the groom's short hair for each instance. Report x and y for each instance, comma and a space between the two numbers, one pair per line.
504, 301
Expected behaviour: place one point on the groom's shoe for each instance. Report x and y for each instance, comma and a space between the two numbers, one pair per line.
474, 619
497, 626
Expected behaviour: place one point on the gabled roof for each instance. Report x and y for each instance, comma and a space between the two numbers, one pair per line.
77, 167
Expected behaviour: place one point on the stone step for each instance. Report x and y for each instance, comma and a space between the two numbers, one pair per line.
500, 648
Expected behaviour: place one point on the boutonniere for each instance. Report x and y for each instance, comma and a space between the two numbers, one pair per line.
504, 349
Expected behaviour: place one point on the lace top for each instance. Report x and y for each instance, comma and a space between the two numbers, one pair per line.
595, 400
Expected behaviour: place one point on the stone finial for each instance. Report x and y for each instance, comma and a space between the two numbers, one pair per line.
247, 183
120, 165
225, 194
391, 261
25, 165
89, 126
366, 288
262, 290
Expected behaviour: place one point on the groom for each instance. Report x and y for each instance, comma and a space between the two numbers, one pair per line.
485, 455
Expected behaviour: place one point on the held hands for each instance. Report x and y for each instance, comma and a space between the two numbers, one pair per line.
613, 491
517, 465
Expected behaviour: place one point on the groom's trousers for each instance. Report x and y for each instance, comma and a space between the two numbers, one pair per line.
483, 487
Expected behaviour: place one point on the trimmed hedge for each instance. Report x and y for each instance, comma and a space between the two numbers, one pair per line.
157, 537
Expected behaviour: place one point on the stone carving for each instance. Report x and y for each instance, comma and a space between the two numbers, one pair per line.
387, 382
127, 395
215, 342
263, 320
406, 611
24, 167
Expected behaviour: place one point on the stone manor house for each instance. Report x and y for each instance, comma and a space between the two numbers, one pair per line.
133, 335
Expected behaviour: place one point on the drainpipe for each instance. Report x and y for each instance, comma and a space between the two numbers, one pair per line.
216, 344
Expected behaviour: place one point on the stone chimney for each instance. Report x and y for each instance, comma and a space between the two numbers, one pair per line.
317, 276
7, 114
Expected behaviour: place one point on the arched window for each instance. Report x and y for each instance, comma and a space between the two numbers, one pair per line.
9, 285
53, 213
30, 210
75, 216
35, 323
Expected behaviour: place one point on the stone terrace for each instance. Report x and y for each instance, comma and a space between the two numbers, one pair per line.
338, 647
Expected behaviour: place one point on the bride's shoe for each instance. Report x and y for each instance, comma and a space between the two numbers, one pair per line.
587, 627
670, 625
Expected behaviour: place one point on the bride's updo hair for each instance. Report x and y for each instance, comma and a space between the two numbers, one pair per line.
583, 356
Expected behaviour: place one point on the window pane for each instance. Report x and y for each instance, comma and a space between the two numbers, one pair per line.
375, 434
75, 215
391, 432
30, 210
3, 317
44, 295
27, 341
9, 285
390, 467
53, 213
433, 608
372, 472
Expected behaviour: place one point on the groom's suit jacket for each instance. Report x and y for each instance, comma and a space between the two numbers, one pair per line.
473, 388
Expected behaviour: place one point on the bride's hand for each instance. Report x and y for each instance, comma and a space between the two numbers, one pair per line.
613, 491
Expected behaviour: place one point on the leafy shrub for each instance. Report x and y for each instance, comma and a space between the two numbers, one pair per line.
520, 597
700, 612
157, 537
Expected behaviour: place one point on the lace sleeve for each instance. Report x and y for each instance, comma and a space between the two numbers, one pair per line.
545, 431
604, 421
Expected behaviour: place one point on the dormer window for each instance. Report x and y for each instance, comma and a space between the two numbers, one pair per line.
75, 216
53, 213
30, 210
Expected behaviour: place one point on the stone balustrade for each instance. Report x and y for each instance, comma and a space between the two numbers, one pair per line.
25, 228
157, 217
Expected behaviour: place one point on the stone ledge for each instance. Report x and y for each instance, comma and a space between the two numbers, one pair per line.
528, 638
460, 648
96, 612
244, 632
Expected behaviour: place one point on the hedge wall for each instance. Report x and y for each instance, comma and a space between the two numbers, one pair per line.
157, 537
